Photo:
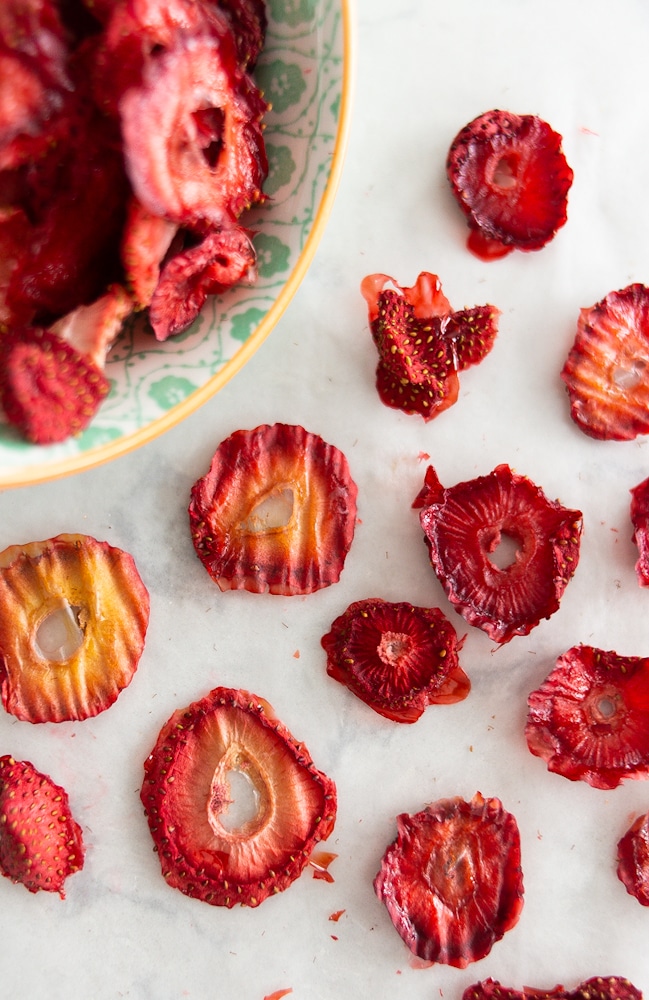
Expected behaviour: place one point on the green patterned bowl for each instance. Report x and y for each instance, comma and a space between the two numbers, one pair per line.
305, 73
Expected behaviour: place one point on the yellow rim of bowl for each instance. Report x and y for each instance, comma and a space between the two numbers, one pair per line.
105, 453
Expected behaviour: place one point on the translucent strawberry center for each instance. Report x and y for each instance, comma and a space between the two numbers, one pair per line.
59, 635
505, 172
629, 375
604, 707
272, 513
236, 805
393, 647
451, 873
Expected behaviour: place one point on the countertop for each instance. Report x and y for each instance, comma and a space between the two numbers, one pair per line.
422, 70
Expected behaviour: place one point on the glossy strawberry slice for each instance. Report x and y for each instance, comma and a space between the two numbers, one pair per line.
229, 749
41, 844
473, 333
223, 258
452, 880
397, 658
589, 720
73, 619
467, 526
639, 511
275, 512
510, 178
607, 370
47, 388
192, 134
633, 859
597, 988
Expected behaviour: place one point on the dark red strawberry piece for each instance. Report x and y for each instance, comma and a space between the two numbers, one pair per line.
223, 258
249, 21
607, 370
597, 988
41, 845
47, 389
73, 619
452, 880
397, 658
472, 332
589, 720
464, 526
230, 749
633, 859
639, 512
275, 512
510, 178
192, 135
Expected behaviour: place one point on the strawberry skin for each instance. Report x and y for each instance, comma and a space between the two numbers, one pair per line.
639, 512
597, 988
40, 842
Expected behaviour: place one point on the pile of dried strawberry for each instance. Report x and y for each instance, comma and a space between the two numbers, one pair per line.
130, 145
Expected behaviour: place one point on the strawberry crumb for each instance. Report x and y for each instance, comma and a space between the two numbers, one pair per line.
336, 915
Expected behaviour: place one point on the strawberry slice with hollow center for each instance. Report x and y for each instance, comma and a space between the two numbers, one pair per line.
606, 372
397, 658
232, 740
73, 619
452, 881
597, 988
633, 859
502, 550
275, 513
589, 720
510, 178
41, 844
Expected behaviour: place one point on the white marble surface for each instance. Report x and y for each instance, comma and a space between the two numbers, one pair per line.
423, 70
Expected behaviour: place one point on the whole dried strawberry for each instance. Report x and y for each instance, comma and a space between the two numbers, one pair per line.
464, 526
589, 720
639, 512
276, 512
73, 619
633, 859
233, 738
452, 881
397, 658
40, 842
606, 372
510, 177
597, 988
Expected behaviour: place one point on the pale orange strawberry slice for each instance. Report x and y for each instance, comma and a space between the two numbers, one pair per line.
73, 618
275, 513
452, 881
234, 802
41, 844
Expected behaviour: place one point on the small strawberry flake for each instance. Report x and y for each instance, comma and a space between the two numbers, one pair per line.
336, 915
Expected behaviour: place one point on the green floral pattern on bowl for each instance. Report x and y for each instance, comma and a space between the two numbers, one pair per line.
304, 75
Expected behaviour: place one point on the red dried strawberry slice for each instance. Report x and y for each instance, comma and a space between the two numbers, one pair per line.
73, 619
597, 988
397, 658
249, 22
230, 743
92, 329
510, 178
639, 511
589, 720
425, 297
192, 134
275, 512
452, 880
47, 389
41, 844
223, 258
472, 332
146, 239
607, 370
633, 859
464, 526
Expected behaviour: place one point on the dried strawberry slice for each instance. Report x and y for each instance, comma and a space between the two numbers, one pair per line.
249, 22
452, 880
464, 526
510, 177
597, 988
41, 844
633, 859
231, 743
192, 133
607, 370
146, 240
275, 512
47, 388
397, 658
93, 329
589, 720
473, 333
223, 258
639, 511
73, 619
